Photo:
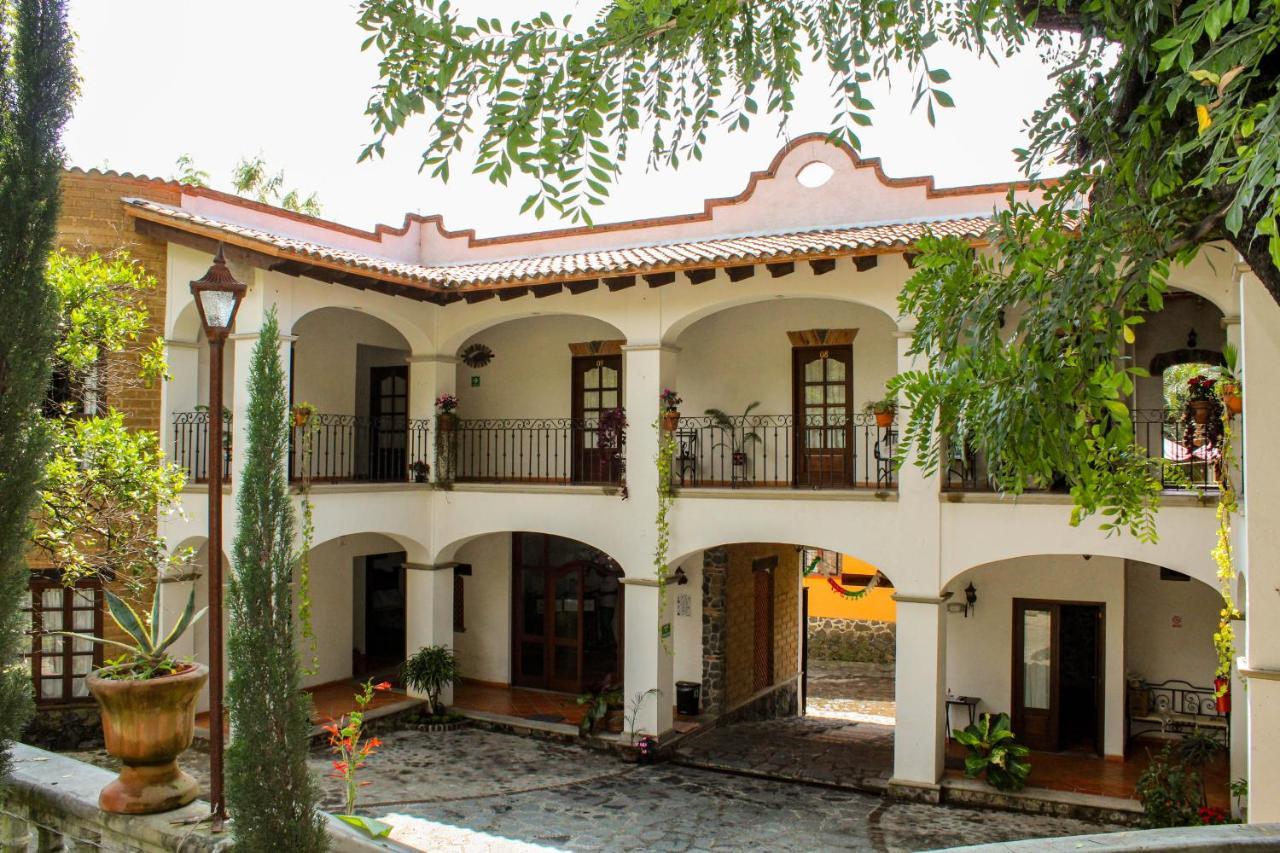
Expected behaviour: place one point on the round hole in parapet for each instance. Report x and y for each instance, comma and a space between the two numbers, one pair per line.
815, 174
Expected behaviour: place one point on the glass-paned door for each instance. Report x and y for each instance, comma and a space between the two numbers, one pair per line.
822, 383
1057, 669
597, 388
389, 426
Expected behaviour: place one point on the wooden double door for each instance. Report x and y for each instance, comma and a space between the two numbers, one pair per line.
567, 615
1058, 674
822, 392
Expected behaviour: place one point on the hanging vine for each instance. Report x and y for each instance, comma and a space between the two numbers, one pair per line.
304, 422
1224, 559
666, 496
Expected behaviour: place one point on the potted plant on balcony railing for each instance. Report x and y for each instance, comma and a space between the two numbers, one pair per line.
670, 409
739, 439
420, 470
884, 411
302, 414
148, 702
447, 419
1230, 388
611, 430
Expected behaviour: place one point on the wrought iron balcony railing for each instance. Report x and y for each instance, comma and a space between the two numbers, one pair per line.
328, 448
535, 450
782, 451
1186, 456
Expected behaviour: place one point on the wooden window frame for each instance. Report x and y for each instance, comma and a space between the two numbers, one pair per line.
39, 583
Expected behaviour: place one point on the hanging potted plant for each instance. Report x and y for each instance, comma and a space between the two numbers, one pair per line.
884, 410
1222, 695
670, 409
302, 414
447, 419
1230, 388
1201, 399
420, 471
611, 432
148, 703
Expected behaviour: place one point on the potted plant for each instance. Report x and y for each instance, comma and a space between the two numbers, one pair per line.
604, 703
611, 431
738, 439
447, 419
1201, 398
993, 750
670, 409
429, 670
421, 470
1230, 388
302, 414
884, 411
148, 703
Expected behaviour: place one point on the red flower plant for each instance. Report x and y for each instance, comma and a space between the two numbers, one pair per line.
345, 738
1213, 815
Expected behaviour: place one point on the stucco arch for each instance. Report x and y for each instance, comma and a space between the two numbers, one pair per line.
454, 340
450, 551
185, 326
300, 323
1211, 275
401, 315
1198, 570
823, 545
677, 322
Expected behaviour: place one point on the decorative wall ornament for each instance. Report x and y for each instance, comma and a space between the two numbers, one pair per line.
477, 356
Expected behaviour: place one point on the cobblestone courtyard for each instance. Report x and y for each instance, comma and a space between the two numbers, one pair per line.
479, 790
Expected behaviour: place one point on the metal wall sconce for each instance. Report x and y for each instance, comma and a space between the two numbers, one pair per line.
679, 576
970, 599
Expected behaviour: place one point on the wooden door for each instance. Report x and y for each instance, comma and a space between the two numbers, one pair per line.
564, 628
822, 389
389, 422
1042, 653
762, 666
529, 628
597, 388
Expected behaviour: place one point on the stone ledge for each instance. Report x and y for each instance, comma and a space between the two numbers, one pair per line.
1167, 499
1256, 836
755, 494
1042, 801
59, 795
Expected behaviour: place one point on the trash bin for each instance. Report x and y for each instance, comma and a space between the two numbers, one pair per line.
688, 698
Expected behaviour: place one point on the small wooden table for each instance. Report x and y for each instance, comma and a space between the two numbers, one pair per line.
970, 702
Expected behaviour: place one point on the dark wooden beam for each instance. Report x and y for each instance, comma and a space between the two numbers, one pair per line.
658, 279
474, 296
910, 258
699, 276
506, 294
576, 287
866, 262
822, 266
619, 282
739, 273
448, 298
292, 268
541, 291
780, 269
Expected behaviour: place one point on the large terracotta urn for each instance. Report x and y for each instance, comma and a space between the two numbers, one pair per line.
147, 724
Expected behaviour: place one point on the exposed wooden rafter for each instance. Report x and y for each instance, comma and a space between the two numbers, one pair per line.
698, 276
619, 282
541, 291
658, 279
822, 266
780, 269
866, 262
739, 273
586, 284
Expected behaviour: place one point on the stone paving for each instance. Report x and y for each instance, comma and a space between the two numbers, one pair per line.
851, 691
481, 790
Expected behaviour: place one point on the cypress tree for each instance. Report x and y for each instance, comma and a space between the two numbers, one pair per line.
37, 81
270, 794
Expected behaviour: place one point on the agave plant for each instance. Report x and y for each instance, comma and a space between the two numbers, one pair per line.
992, 748
148, 655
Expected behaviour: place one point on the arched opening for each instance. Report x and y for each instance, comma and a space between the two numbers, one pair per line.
1092, 657
353, 369
780, 393
538, 621
532, 394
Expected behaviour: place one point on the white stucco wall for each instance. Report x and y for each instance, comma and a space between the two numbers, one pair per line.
484, 648
742, 355
331, 358
980, 646
530, 375
1169, 627
686, 627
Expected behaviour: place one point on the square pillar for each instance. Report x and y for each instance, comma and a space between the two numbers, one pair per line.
429, 610
646, 370
430, 376
920, 678
648, 655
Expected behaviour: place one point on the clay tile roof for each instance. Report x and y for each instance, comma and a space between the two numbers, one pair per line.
577, 265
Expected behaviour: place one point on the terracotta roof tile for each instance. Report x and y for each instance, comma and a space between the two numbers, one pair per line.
622, 261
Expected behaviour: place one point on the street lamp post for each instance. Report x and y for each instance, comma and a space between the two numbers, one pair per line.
218, 296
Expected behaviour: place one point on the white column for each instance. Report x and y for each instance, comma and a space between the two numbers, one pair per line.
430, 376
429, 609
648, 655
647, 369
1260, 339
920, 678
1239, 745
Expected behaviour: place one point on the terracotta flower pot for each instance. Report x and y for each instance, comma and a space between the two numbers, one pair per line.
884, 420
1200, 410
670, 420
1234, 403
147, 725
1223, 701
448, 421
614, 721
300, 418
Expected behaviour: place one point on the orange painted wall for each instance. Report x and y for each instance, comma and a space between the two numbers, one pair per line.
826, 602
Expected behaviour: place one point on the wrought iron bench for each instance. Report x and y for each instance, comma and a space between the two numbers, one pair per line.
1176, 707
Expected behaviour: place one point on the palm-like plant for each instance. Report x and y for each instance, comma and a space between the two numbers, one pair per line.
992, 748
148, 655
738, 439
430, 670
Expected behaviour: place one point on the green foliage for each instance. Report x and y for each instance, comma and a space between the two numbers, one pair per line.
188, 173
269, 789
738, 441
148, 655
598, 703
37, 82
254, 179
1171, 789
429, 670
992, 750
662, 524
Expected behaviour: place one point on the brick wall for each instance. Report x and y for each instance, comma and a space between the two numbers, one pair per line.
739, 643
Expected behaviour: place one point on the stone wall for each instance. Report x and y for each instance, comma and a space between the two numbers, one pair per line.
862, 640
738, 648
62, 729
715, 565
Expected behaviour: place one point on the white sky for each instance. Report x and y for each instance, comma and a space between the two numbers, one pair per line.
286, 78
